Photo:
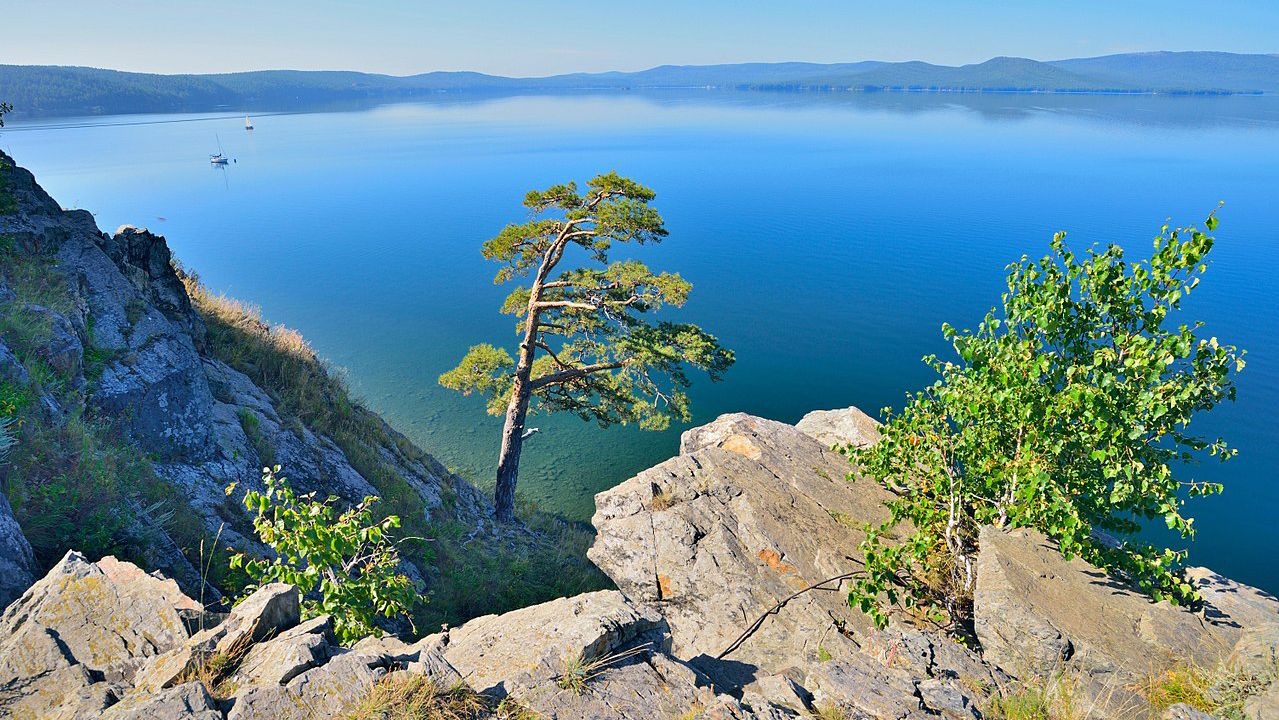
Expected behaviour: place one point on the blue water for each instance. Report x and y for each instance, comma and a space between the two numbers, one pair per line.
828, 237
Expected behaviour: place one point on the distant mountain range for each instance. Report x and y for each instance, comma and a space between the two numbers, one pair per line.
43, 90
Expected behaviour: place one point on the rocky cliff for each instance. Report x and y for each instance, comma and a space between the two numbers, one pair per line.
731, 560
139, 397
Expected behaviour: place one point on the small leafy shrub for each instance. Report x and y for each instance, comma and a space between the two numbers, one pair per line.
344, 563
1067, 412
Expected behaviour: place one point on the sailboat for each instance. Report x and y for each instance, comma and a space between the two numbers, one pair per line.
248, 124
218, 158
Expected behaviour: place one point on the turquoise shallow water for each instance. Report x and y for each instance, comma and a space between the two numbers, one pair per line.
828, 237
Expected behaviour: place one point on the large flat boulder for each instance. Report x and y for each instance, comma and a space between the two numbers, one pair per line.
189, 701
1037, 613
840, 428
289, 654
80, 621
529, 647
650, 686
751, 512
96, 618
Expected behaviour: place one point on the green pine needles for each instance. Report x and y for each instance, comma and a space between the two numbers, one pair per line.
588, 342
1068, 412
345, 563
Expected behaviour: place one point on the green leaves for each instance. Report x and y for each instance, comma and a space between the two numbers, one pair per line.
1067, 412
344, 563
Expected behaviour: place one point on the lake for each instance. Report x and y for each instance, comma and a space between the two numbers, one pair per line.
828, 236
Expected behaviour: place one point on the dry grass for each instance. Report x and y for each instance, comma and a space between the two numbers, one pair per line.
509, 709
662, 500
215, 671
410, 696
829, 711
578, 671
1221, 692
1060, 696
1189, 685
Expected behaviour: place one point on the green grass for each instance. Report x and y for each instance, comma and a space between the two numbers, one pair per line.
1056, 697
252, 427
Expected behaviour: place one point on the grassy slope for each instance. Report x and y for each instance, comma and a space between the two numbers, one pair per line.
479, 573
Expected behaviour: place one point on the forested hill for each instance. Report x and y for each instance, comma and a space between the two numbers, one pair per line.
54, 90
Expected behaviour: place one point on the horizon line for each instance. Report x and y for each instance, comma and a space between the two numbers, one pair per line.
631, 72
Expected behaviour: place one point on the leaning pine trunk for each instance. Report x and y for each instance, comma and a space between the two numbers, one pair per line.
508, 461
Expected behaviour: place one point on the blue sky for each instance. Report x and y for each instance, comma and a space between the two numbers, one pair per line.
533, 38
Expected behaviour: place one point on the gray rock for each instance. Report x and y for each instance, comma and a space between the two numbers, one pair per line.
284, 657
1036, 613
147, 259
81, 619
79, 614
11, 369
68, 693
190, 701
317, 694
394, 650
751, 512
1182, 711
948, 698
17, 564
1264, 706
863, 686
63, 350
1257, 651
161, 391
436, 667
528, 648
269, 611
1229, 603
655, 687
784, 691
838, 428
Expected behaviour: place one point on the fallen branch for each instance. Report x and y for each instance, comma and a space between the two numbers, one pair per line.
759, 621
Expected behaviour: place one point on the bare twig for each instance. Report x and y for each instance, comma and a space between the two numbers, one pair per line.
759, 621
